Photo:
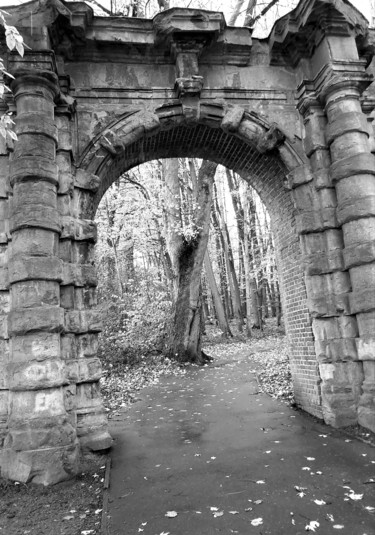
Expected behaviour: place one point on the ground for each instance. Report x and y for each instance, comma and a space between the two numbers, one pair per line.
75, 507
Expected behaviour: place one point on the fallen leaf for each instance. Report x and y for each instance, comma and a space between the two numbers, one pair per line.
312, 526
257, 502
214, 508
171, 514
370, 508
233, 512
257, 522
320, 502
301, 494
261, 482
338, 526
354, 496
218, 513
306, 468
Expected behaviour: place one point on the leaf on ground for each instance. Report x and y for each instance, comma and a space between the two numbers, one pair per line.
171, 514
312, 526
218, 513
320, 502
338, 526
257, 522
354, 496
260, 482
233, 512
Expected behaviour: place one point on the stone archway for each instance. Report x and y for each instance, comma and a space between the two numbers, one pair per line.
76, 137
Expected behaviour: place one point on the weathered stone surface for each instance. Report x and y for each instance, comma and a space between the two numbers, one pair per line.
36, 404
359, 254
356, 208
362, 301
34, 268
232, 119
41, 433
24, 321
334, 328
271, 139
79, 275
366, 322
315, 221
340, 350
44, 466
35, 293
35, 242
85, 180
84, 370
362, 163
78, 229
33, 168
82, 321
347, 122
37, 375
36, 346
299, 176
65, 176
366, 348
320, 263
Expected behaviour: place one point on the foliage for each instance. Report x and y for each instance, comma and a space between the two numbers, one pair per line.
134, 324
14, 41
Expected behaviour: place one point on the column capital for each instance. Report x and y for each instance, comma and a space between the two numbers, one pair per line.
348, 78
24, 78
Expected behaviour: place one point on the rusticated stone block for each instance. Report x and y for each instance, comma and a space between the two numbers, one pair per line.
86, 181
4, 278
366, 414
78, 229
4, 361
84, 370
36, 123
82, 321
342, 373
70, 392
362, 163
328, 305
64, 133
362, 301
334, 328
356, 208
88, 397
363, 277
98, 440
347, 122
40, 216
35, 293
4, 404
36, 375
33, 168
4, 334
4, 177
4, 301
65, 176
44, 466
299, 176
339, 350
79, 275
316, 221
339, 409
34, 268
366, 348
41, 433
359, 254
37, 346
366, 322
65, 205
320, 263
67, 300
322, 242
35, 242
358, 232
36, 404
28, 320
232, 119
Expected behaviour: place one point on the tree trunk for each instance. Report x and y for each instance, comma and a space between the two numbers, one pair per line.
187, 255
219, 308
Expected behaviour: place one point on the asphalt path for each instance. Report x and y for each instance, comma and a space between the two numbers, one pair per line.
208, 453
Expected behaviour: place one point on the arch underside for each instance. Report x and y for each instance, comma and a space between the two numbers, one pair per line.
266, 173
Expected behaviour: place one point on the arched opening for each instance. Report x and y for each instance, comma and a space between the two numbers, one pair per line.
245, 145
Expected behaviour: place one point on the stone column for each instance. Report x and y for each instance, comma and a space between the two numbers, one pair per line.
352, 172
41, 445
327, 282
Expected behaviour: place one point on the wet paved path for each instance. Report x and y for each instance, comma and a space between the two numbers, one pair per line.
224, 457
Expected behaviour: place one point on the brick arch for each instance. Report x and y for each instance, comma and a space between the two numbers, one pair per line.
262, 156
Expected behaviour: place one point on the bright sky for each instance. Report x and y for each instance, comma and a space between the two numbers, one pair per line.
225, 5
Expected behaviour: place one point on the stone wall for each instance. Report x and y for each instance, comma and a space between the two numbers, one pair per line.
290, 114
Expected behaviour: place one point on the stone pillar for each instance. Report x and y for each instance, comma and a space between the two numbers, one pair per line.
79, 341
352, 172
4, 288
41, 445
327, 282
